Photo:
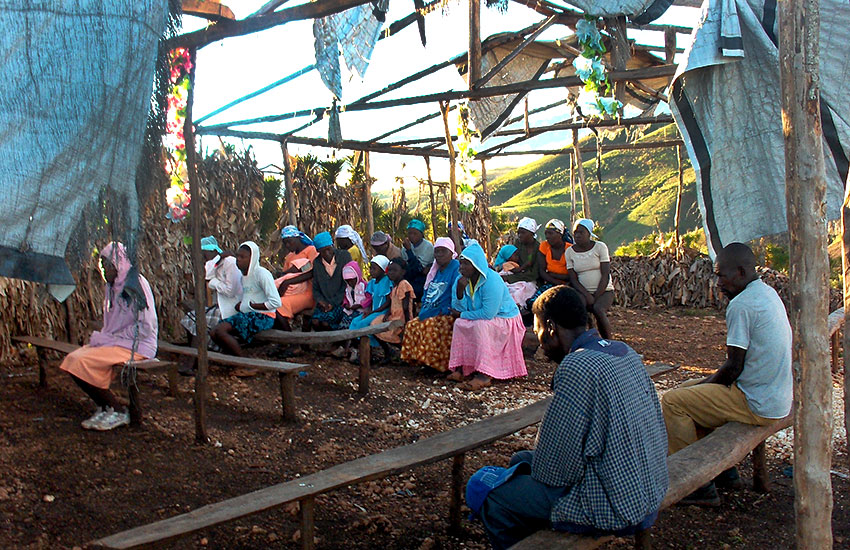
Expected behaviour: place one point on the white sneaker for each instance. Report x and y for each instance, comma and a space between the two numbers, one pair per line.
112, 419
89, 423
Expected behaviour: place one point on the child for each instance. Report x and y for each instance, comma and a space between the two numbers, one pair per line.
400, 307
354, 302
378, 289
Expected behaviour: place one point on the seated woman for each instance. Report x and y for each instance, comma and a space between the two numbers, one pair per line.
401, 308
427, 339
129, 325
419, 254
225, 283
256, 311
349, 239
295, 287
328, 283
488, 330
528, 249
383, 245
378, 290
520, 291
551, 265
590, 273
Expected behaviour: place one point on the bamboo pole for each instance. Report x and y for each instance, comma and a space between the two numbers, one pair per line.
474, 57
200, 397
585, 202
367, 195
805, 195
433, 202
679, 191
455, 235
287, 184
572, 190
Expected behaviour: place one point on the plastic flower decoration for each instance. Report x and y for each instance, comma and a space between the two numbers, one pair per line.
465, 198
591, 70
177, 195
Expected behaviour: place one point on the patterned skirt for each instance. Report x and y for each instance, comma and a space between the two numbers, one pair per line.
332, 317
248, 324
346, 319
428, 342
543, 288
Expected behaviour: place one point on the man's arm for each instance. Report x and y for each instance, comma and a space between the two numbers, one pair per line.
731, 369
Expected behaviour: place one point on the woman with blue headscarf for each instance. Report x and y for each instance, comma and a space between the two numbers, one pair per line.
419, 254
296, 285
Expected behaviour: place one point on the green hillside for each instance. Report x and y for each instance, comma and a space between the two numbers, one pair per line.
638, 189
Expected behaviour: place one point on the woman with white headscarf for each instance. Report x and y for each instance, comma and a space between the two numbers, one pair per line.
349, 239
590, 273
551, 262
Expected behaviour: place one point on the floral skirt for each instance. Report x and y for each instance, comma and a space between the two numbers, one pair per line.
428, 342
248, 324
332, 317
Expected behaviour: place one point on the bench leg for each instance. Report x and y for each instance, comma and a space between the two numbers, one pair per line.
42, 368
173, 389
365, 364
307, 525
761, 477
457, 491
643, 540
287, 395
135, 406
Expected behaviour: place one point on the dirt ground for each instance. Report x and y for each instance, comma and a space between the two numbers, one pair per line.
62, 486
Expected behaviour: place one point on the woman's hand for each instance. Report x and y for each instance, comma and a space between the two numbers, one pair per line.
589, 299
454, 313
324, 306
461, 284
238, 305
407, 244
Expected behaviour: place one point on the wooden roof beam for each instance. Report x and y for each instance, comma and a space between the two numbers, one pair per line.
606, 147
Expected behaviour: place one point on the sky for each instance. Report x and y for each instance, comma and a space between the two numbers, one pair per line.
234, 67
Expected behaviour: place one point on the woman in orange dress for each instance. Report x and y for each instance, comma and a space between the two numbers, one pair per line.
296, 285
551, 261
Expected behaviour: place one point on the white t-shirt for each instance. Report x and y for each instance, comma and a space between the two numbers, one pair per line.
586, 265
757, 322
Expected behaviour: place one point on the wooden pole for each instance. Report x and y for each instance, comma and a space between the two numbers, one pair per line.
845, 264
200, 397
433, 202
487, 198
620, 52
367, 196
474, 57
669, 45
455, 235
572, 190
585, 202
287, 183
805, 196
679, 191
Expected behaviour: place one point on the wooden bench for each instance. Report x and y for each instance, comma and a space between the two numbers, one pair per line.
286, 371
148, 365
451, 444
331, 336
689, 469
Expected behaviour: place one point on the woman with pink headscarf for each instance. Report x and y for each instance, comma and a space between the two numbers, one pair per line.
428, 339
129, 324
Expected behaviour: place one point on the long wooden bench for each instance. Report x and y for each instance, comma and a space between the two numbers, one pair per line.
287, 372
331, 336
148, 365
451, 444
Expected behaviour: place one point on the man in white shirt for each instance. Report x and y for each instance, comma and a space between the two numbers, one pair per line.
754, 385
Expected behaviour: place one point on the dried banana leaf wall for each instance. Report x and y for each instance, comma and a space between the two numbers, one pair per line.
232, 197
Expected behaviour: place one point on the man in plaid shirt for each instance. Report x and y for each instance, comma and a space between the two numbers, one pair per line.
600, 463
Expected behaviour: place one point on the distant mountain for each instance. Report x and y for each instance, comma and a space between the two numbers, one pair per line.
637, 191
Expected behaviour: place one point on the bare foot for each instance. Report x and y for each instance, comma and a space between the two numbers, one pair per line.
476, 383
456, 376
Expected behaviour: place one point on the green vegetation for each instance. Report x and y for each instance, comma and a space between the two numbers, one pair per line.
637, 195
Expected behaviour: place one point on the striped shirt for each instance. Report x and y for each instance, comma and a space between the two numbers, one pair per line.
603, 437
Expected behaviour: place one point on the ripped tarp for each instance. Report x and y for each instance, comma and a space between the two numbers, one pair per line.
726, 100
353, 33
74, 100
640, 12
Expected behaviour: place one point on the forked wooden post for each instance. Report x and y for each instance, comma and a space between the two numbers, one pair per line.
200, 397
805, 196
308, 526
457, 493
585, 201
365, 364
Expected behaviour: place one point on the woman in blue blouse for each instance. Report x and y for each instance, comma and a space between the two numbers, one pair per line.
427, 340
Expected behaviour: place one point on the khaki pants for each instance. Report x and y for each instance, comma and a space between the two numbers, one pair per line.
705, 405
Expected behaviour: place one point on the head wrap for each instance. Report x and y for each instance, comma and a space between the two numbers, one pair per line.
209, 243
504, 255
557, 225
381, 261
351, 270
292, 231
442, 242
323, 240
379, 238
588, 224
417, 224
529, 224
460, 227
348, 232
